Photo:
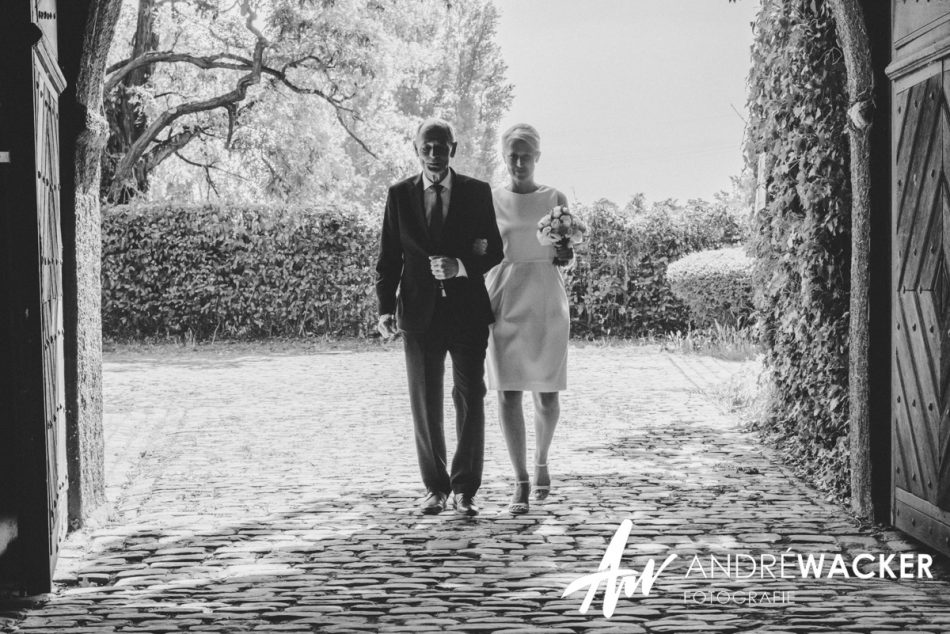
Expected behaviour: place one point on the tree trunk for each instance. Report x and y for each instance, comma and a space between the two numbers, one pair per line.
855, 44
127, 120
85, 131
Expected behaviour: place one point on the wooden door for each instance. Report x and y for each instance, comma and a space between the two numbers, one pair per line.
33, 401
920, 365
48, 84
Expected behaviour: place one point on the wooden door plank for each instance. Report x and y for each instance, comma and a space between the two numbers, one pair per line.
920, 115
921, 379
920, 254
924, 156
906, 434
903, 154
910, 466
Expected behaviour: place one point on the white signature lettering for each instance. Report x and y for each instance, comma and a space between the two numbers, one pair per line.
617, 579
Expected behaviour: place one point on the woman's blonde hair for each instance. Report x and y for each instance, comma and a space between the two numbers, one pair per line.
523, 132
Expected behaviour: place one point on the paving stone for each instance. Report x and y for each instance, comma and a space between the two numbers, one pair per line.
256, 491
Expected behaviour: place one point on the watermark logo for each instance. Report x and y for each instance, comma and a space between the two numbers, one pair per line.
618, 580
737, 567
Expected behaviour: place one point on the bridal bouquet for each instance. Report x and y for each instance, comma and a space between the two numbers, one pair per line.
559, 228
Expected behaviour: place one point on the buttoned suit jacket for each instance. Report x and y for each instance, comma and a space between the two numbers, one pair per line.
404, 281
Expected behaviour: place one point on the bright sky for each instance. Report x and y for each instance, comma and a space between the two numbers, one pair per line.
630, 95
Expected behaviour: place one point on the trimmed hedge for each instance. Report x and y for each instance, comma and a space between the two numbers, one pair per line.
240, 272
716, 285
619, 285
259, 271
801, 239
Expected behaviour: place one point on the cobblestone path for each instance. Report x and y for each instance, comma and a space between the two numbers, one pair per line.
276, 492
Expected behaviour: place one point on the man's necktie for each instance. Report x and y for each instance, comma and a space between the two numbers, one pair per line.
435, 219
435, 226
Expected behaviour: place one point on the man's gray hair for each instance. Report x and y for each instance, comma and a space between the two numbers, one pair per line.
435, 122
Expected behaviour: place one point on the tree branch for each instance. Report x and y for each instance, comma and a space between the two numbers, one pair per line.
119, 70
275, 176
124, 168
232, 119
336, 102
210, 166
353, 136
210, 181
227, 61
251, 15
254, 67
162, 150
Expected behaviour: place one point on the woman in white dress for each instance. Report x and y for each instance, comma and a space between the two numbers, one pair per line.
527, 346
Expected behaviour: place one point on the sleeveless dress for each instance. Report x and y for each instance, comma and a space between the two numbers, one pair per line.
527, 345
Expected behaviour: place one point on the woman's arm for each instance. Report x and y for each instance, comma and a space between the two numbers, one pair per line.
480, 260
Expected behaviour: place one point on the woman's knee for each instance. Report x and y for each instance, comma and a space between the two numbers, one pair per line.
509, 398
547, 403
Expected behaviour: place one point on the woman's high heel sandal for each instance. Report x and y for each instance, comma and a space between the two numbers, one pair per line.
519, 499
541, 491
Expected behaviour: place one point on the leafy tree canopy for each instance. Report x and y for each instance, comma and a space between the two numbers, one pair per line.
295, 100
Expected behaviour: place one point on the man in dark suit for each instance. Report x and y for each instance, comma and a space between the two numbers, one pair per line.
431, 287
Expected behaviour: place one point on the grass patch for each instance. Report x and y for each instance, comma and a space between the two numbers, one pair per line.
723, 342
747, 394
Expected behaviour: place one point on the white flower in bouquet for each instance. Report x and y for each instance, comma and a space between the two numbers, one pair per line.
558, 226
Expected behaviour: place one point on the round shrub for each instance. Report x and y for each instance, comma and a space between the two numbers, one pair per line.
716, 285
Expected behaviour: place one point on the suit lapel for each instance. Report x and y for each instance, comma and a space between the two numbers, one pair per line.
417, 201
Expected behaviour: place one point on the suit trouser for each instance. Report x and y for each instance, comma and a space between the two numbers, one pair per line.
425, 365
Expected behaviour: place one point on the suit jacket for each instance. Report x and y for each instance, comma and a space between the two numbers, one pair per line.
405, 247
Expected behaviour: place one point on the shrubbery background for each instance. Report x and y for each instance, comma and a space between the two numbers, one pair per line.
619, 287
801, 240
254, 271
236, 272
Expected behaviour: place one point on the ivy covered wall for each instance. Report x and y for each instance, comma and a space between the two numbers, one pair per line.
801, 238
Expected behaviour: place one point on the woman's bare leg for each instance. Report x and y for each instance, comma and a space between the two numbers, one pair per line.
512, 426
547, 411
511, 416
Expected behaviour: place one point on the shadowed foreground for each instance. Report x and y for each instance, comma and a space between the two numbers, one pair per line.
270, 492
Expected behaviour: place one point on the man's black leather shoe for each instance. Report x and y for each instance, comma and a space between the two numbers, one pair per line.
434, 503
464, 504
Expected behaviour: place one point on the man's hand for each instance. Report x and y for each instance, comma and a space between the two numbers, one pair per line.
387, 326
443, 268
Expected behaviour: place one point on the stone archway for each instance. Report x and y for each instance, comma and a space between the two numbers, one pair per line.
86, 39
88, 29
858, 22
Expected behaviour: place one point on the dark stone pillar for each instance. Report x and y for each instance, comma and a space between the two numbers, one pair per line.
878, 18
